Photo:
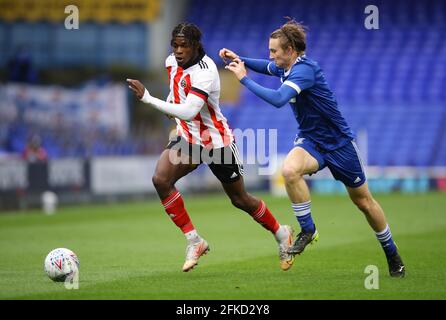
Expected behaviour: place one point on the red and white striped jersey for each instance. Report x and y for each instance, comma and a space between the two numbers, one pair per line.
209, 128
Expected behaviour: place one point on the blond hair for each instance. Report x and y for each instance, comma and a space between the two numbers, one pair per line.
291, 34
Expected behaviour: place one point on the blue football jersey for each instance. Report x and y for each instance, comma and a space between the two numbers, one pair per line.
314, 105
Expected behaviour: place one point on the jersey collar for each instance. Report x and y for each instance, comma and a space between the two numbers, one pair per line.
287, 72
194, 61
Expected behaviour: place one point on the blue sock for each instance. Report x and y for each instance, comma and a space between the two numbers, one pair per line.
302, 211
385, 238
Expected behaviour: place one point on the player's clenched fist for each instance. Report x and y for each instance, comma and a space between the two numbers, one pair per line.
237, 66
226, 54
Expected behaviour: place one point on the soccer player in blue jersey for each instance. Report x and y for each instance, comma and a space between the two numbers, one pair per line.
325, 139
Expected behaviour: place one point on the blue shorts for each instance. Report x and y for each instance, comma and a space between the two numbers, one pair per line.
344, 163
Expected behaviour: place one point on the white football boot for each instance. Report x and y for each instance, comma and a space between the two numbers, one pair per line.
193, 252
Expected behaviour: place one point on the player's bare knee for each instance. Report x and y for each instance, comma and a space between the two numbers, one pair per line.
364, 204
160, 182
291, 173
238, 202
242, 202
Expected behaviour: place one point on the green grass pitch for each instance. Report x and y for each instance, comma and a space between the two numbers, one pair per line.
133, 251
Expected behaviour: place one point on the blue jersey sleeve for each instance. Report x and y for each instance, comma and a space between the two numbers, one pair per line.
277, 98
263, 66
258, 65
301, 77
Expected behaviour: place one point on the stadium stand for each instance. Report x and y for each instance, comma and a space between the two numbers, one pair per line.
388, 82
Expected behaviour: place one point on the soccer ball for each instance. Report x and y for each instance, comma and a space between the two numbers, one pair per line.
60, 264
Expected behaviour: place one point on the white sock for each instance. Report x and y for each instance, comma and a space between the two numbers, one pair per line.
192, 236
281, 234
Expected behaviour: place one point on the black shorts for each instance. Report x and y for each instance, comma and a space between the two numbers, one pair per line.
224, 163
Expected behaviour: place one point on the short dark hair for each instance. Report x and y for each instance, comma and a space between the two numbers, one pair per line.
191, 33
291, 34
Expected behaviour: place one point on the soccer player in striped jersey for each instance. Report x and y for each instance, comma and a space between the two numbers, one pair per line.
325, 139
203, 135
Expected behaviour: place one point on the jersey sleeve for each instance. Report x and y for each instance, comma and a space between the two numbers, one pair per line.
277, 98
257, 65
202, 83
301, 77
263, 66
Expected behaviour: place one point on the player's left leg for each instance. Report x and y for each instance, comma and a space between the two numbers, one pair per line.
374, 214
301, 160
258, 210
226, 166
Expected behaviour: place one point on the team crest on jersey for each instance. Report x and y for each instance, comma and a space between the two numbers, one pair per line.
183, 83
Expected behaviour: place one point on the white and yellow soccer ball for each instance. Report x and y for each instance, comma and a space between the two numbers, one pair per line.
60, 264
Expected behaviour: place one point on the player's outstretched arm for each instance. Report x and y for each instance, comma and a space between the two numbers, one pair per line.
258, 65
277, 98
184, 111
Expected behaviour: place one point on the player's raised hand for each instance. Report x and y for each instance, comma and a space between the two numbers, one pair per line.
227, 54
237, 66
137, 87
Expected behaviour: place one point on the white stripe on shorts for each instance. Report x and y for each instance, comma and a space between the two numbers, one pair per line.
234, 149
359, 155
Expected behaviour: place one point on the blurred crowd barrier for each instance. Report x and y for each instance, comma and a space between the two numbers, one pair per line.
100, 179
380, 179
75, 180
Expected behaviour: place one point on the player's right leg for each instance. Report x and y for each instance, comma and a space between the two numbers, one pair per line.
346, 165
299, 162
173, 165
